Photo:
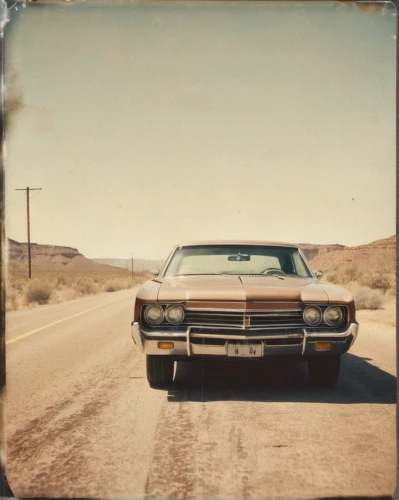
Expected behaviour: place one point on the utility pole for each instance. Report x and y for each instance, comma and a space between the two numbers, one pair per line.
132, 271
28, 189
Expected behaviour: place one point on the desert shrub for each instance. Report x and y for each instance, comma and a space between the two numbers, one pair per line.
64, 295
381, 282
38, 291
13, 300
87, 286
392, 290
366, 280
63, 281
127, 283
366, 298
17, 284
349, 273
119, 284
377, 281
113, 285
332, 277
351, 277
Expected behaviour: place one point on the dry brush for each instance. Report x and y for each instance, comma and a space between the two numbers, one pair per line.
370, 289
53, 288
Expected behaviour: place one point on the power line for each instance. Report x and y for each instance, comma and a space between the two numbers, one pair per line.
28, 189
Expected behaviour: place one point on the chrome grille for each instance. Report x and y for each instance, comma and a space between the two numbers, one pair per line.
245, 320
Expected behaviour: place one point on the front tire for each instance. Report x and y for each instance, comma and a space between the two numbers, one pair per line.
160, 370
324, 370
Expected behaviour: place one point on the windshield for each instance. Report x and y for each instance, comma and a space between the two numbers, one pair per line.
239, 260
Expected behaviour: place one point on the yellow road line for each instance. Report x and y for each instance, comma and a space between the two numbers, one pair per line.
27, 334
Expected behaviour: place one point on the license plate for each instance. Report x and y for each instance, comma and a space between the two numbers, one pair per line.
254, 350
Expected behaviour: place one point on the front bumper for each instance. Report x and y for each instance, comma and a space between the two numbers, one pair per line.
191, 344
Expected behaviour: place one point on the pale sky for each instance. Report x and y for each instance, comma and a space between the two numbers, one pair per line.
148, 124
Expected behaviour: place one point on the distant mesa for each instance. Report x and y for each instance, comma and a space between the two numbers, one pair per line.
52, 258
17, 249
61, 259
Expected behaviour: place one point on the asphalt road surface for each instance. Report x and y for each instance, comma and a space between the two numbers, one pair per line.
82, 421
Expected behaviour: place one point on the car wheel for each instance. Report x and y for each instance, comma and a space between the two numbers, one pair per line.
324, 370
160, 370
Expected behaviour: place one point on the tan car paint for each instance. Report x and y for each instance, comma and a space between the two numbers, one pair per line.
242, 292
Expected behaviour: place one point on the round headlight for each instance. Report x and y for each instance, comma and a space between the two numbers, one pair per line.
332, 316
154, 315
312, 315
174, 314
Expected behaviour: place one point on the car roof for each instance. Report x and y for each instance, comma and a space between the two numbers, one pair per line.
237, 242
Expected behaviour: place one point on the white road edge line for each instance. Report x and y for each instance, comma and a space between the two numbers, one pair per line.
27, 334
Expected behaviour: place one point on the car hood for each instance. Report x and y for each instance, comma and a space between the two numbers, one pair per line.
247, 288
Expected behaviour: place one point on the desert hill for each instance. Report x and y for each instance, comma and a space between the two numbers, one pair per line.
53, 258
377, 256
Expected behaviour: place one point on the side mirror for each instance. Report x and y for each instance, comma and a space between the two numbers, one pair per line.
319, 274
155, 272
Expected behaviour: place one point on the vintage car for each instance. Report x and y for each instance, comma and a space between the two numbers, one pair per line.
242, 300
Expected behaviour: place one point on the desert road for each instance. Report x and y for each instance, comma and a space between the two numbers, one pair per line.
81, 420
